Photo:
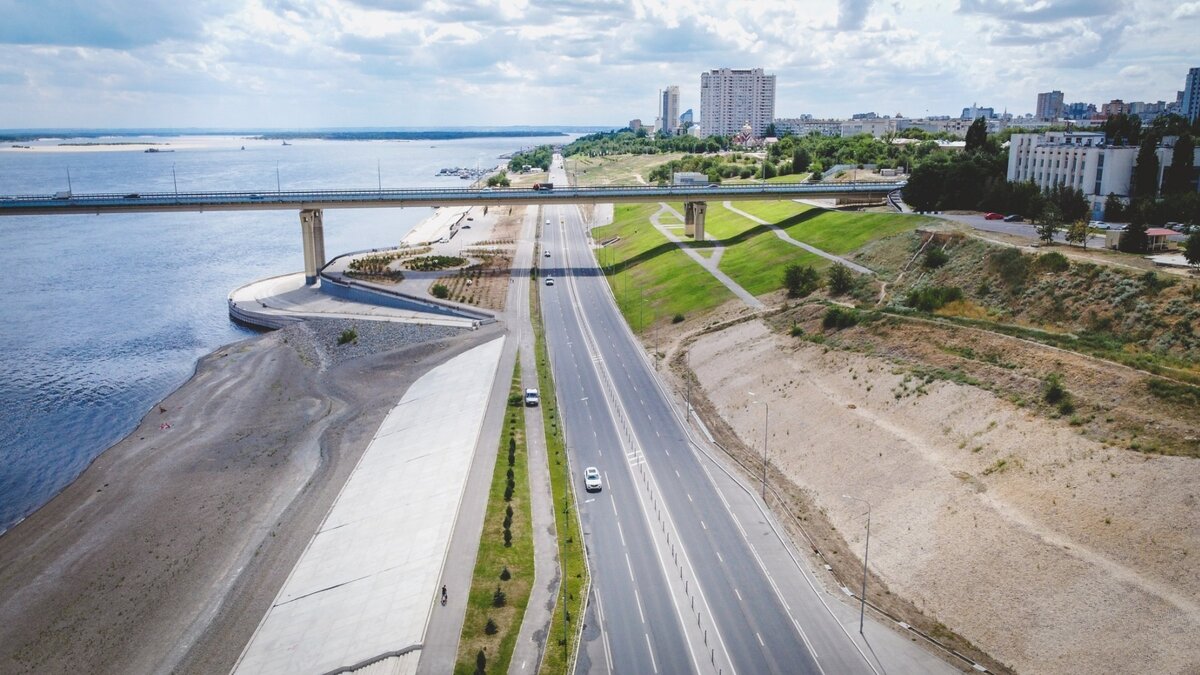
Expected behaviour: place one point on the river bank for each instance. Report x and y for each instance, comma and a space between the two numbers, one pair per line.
165, 553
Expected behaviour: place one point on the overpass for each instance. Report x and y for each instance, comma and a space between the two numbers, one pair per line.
311, 203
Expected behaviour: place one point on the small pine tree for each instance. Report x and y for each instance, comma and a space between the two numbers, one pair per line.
490, 627
505, 575
499, 599
480, 663
840, 280
1191, 250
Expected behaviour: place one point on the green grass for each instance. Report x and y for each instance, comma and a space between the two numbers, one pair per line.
840, 232
720, 223
562, 637
757, 262
773, 211
494, 556
652, 277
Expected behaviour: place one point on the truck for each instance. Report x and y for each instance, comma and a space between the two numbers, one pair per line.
543, 186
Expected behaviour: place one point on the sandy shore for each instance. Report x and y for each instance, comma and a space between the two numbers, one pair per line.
164, 554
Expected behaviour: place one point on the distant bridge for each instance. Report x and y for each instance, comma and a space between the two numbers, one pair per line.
311, 203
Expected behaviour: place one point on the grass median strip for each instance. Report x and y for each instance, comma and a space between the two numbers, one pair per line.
504, 565
565, 625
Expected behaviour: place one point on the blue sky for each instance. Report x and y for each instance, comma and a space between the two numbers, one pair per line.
310, 63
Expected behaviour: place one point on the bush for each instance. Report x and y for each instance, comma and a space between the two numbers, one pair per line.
839, 318
796, 330
932, 298
1011, 266
499, 599
800, 280
515, 400
935, 258
505, 575
678, 318
839, 279
348, 335
440, 291
507, 538
1053, 390
1052, 262
490, 628
480, 663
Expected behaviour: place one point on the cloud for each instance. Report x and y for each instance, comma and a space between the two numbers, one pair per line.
109, 24
852, 14
1040, 11
1187, 10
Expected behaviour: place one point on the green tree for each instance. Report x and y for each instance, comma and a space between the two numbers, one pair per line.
1114, 208
1145, 170
770, 132
800, 160
839, 279
1049, 221
1177, 178
977, 135
800, 280
1134, 239
1191, 249
1077, 233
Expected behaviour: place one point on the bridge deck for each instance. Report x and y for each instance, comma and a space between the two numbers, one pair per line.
14, 205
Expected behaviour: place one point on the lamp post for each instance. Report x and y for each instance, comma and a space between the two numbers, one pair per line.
862, 610
766, 419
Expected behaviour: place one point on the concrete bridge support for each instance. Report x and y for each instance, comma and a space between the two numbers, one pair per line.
693, 219
312, 230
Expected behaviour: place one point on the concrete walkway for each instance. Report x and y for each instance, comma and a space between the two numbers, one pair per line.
782, 234
365, 587
709, 264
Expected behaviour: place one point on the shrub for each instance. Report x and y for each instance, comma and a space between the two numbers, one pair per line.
935, 258
505, 575
796, 330
678, 318
840, 279
499, 599
1010, 265
515, 400
480, 663
508, 492
348, 335
490, 627
1057, 395
440, 291
800, 280
839, 318
1052, 262
932, 298
507, 538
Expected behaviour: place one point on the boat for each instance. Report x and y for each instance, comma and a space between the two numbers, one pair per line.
157, 150
286, 143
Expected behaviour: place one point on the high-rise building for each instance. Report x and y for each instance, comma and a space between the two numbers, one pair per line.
1079, 111
685, 120
668, 109
1114, 107
1190, 107
975, 112
1049, 105
730, 99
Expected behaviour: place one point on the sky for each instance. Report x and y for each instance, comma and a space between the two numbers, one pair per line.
396, 63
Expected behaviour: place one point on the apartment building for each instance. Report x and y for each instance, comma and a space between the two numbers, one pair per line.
731, 98
1049, 105
668, 109
807, 126
1079, 160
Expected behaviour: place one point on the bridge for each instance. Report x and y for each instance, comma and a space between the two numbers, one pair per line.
311, 203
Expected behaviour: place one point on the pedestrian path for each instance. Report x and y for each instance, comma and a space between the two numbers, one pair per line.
710, 264
782, 234
363, 590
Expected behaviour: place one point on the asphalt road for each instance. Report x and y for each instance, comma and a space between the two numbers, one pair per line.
751, 624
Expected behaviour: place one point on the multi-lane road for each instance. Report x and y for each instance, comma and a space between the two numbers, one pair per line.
731, 617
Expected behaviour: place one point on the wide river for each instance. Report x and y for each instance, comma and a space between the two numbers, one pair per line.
106, 315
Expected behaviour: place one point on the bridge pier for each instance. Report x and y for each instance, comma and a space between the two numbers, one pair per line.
312, 231
693, 219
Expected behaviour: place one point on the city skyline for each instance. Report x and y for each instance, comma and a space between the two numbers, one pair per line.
326, 63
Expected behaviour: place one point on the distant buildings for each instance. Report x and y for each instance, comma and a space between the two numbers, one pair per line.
1114, 107
1049, 105
1190, 105
668, 109
1079, 111
685, 120
975, 112
635, 124
805, 125
731, 98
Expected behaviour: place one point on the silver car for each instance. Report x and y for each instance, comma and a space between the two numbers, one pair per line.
591, 479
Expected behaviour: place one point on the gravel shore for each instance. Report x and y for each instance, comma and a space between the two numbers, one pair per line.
164, 555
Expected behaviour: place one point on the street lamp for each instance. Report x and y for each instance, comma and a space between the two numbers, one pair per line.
766, 419
862, 610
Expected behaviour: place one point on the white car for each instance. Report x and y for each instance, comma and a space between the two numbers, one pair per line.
549, 281
547, 253
532, 398
1098, 224
591, 479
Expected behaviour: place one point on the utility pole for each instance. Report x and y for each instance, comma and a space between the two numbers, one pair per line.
175, 181
278, 188
766, 418
862, 608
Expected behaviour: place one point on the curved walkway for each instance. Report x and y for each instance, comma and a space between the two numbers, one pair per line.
710, 264
782, 234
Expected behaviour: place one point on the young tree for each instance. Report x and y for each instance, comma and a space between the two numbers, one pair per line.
1077, 233
800, 160
1191, 250
1145, 170
800, 281
1177, 178
1049, 221
1134, 239
1114, 208
977, 135
839, 279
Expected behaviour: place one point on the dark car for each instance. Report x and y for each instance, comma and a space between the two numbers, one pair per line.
992, 216
1013, 218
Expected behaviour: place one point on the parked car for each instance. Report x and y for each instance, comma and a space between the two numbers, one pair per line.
1098, 224
591, 479
992, 216
1013, 218
532, 398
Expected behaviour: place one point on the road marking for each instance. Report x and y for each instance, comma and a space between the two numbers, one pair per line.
621, 532
690, 498
638, 599
738, 593
677, 474
760, 640
589, 501
651, 650
705, 527
719, 557
631, 578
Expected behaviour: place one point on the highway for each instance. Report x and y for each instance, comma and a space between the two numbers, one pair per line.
752, 625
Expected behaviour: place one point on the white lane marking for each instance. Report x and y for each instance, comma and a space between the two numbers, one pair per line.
703, 525
677, 474
760, 642
738, 593
589, 501
804, 636
629, 565
690, 499
651, 650
637, 597
719, 556
621, 531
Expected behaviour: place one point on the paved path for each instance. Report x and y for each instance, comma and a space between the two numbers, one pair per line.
709, 264
782, 234
531, 640
365, 587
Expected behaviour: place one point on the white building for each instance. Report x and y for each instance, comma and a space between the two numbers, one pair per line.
876, 126
668, 109
730, 98
807, 126
1074, 159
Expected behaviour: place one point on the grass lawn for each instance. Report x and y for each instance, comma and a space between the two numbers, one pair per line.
840, 232
720, 223
773, 211
562, 637
494, 556
757, 262
651, 276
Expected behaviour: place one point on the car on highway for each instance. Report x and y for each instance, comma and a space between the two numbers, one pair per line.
591, 479
547, 253
532, 398
991, 215
1013, 218
549, 281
